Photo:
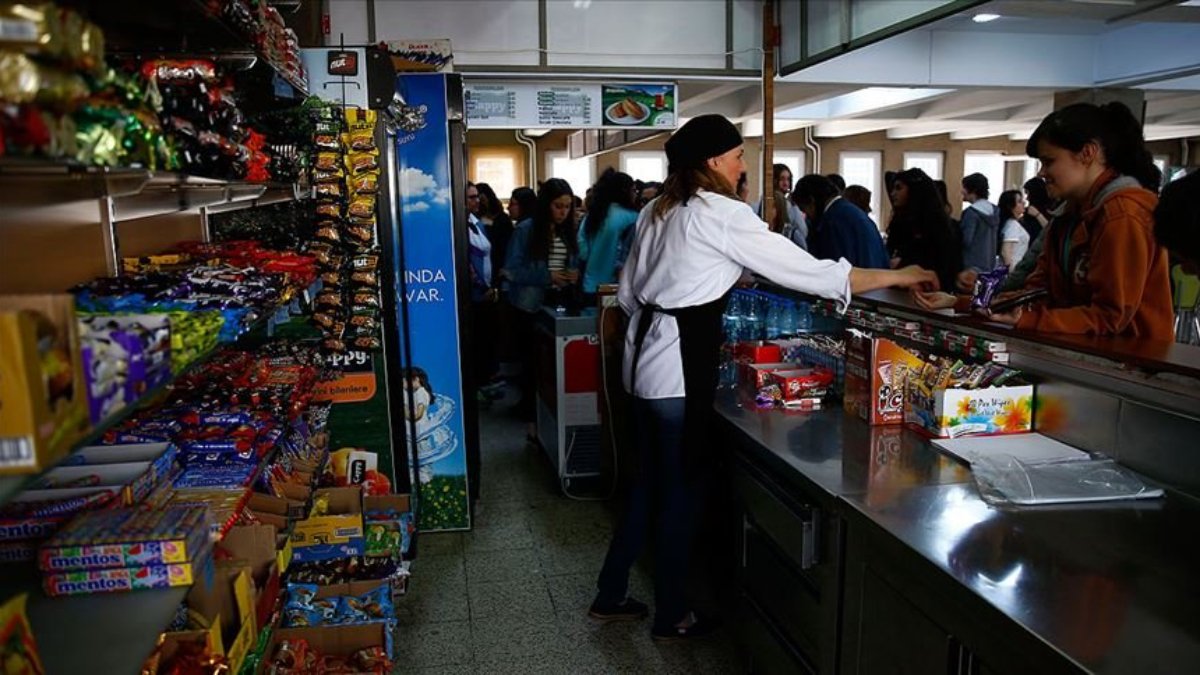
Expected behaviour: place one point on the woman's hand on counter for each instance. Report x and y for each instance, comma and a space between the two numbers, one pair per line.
934, 300
966, 281
1006, 318
914, 277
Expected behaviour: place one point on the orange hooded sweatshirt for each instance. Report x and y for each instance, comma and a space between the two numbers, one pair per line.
1104, 270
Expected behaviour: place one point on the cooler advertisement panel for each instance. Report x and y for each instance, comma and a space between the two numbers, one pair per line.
430, 347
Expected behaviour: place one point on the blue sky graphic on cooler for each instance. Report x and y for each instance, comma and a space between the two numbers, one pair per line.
423, 155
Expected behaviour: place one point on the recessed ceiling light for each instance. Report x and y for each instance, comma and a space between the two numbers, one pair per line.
984, 17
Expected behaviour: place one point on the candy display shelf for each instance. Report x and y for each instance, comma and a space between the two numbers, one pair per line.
175, 27
10, 486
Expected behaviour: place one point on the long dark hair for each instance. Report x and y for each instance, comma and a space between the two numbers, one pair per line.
527, 202
1112, 126
1037, 196
614, 187
491, 203
1007, 202
814, 189
925, 204
539, 238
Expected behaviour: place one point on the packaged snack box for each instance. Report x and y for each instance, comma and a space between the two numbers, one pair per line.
876, 372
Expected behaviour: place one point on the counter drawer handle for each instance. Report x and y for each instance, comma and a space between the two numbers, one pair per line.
808, 553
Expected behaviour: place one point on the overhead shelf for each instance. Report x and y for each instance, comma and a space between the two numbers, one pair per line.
175, 27
135, 193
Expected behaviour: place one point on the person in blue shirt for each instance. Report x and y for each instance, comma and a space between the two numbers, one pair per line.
837, 228
611, 214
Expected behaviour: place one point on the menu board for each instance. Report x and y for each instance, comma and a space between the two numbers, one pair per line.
565, 105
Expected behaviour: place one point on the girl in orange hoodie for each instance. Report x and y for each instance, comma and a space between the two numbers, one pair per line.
1103, 269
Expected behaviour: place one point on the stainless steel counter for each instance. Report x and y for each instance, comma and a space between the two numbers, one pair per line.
1113, 589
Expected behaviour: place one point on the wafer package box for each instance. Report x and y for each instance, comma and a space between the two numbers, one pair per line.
43, 397
876, 374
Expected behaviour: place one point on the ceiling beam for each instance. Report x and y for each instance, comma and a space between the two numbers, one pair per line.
839, 128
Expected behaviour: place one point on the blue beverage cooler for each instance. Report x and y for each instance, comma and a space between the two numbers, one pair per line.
423, 233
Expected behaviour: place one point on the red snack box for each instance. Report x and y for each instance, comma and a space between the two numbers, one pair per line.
756, 375
758, 352
802, 382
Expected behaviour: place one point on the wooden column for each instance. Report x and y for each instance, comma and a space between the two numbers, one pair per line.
770, 38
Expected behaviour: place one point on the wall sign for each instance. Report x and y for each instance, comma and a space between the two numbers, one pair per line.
566, 105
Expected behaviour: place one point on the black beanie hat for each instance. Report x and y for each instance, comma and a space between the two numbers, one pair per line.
701, 138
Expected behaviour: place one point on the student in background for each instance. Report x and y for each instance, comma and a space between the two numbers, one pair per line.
838, 182
1038, 207
839, 229
541, 269
1014, 240
858, 196
919, 232
496, 223
743, 188
980, 224
1103, 269
1177, 226
609, 216
789, 220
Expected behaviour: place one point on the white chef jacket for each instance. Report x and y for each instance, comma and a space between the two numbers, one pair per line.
693, 256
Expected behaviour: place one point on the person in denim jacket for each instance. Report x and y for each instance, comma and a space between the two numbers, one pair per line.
542, 268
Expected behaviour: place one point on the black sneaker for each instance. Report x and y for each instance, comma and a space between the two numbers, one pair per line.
626, 610
701, 627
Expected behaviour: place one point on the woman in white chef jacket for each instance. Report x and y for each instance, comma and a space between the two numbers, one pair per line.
692, 244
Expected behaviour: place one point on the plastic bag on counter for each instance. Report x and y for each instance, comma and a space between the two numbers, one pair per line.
1006, 480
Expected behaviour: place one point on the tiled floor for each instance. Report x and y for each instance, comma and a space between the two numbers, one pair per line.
511, 596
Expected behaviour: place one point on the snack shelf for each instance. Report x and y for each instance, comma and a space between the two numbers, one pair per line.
173, 28
10, 486
97, 633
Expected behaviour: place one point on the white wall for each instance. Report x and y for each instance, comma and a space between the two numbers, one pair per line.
482, 32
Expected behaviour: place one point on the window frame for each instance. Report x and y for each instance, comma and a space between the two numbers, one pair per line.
936, 155
876, 183
625, 155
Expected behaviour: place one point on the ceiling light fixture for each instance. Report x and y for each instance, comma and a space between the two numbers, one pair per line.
984, 17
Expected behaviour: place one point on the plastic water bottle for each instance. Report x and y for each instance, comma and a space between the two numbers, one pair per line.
731, 321
751, 320
772, 326
791, 319
805, 323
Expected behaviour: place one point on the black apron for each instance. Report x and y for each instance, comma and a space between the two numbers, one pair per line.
700, 339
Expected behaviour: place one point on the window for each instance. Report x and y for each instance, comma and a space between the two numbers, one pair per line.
646, 166
500, 171
929, 162
579, 173
1032, 166
990, 164
1161, 162
863, 168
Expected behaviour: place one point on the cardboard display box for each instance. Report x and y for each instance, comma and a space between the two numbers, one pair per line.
386, 537
254, 547
337, 534
876, 377
229, 605
329, 640
953, 413
43, 392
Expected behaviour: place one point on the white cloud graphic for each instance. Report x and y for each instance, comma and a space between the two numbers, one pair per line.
416, 184
416, 207
442, 196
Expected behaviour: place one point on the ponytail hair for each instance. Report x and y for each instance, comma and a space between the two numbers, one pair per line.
1112, 126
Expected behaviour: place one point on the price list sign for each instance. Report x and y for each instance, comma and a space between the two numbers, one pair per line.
569, 105
564, 107
491, 103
